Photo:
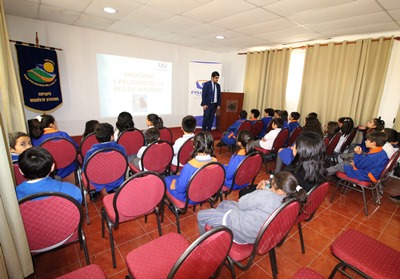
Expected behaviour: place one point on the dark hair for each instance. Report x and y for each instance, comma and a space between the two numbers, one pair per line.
36, 128
90, 126
215, 74
313, 114
379, 138
331, 129
392, 135
124, 122
283, 114
243, 114
278, 122
310, 157
313, 125
379, 123
155, 120
104, 132
151, 135
269, 111
276, 111
295, 115
255, 112
347, 125
14, 136
35, 162
246, 139
203, 142
189, 123
287, 182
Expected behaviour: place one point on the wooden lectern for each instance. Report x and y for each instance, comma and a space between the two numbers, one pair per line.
231, 105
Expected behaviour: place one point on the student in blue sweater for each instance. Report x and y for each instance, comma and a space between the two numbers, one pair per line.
229, 137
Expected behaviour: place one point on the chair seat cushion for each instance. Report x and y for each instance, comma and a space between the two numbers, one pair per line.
263, 151
307, 273
133, 168
240, 252
367, 254
144, 262
92, 271
343, 176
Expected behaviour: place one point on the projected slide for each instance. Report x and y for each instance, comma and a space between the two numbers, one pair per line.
138, 86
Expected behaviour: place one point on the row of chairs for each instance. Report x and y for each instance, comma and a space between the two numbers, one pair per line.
331, 144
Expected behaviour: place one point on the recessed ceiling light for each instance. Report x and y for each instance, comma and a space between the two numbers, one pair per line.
110, 10
220, 37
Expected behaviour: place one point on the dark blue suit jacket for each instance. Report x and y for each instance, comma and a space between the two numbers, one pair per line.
207, 94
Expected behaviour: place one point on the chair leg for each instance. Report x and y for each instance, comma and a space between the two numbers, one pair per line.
232, 268
365, 202
86, 207
334, 192
274, 267
336, 268
303, 250
178, 224
158, 222
110, 232
103, 222
85, 249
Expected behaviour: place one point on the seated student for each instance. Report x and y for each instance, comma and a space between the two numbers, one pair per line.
268, 115
246, 217
188, 126
391, 145
19, 142
229, 137
254, 114
346, 125
45, 127
124, 122
283, 114
150, 135
153, 120
36, 164
276, 113
294, 120
375, 124
90, 126
203, 144
330, 129
368, 166
104, 133
246, 146
267, 141
313, 114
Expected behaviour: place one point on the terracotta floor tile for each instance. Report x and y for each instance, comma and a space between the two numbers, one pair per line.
390, 241
105, 261
254, 272
189, 226
323, 265
314, 239
363, 228
58, 272
334, 218
128, 230
327, 228
291, 249
165, 229
119, 275
133, 244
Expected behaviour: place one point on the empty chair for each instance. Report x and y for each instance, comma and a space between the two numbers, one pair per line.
140, 195
166, 134
183, 156
204, 184
172, 256
92, 271
131, 139
365, 255
52, 220
256, 128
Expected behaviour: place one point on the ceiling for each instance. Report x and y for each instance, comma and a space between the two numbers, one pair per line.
245, 24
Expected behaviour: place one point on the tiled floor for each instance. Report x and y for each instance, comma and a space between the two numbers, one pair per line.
346, 211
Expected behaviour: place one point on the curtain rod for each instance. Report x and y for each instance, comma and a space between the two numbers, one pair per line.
36, 44
336, 43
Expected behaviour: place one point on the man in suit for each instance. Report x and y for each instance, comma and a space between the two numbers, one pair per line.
210, 100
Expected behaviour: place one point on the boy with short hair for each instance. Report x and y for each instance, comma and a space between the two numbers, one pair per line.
150, 135
19, 142
229, 137
254, 114
104, 133
268, 115
267, 141
368, 166
293, 120
36, 164
188, 126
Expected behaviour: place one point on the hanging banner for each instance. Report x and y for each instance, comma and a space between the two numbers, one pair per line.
199, 73
40, 80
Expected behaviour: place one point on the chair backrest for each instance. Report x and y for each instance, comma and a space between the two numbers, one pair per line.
50, 221
63, 151
276, 227
293, 135
390, 165
349, 140
139, 195
205, 256
157, 157
87, 143
185, 152
205, 182
256, 128
280, 140
247, 170
314, 199
269, 127
19, 178
332, 144
105, 166
166, 134
131, 139
245, 126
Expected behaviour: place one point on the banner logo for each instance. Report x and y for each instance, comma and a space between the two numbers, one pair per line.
42, 73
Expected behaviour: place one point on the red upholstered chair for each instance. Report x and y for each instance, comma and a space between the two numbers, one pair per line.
52, 220
19, 178
104, 166
203, 185
157, 157
183, 156
86, 143
92, 271
140, 195
132, 140
349, 140
306, 273
166, 134
360, 186
246, 172
330, 148
245, 126
314, 199
365, 255
293, 135
256, 128
272, 233
172, 256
